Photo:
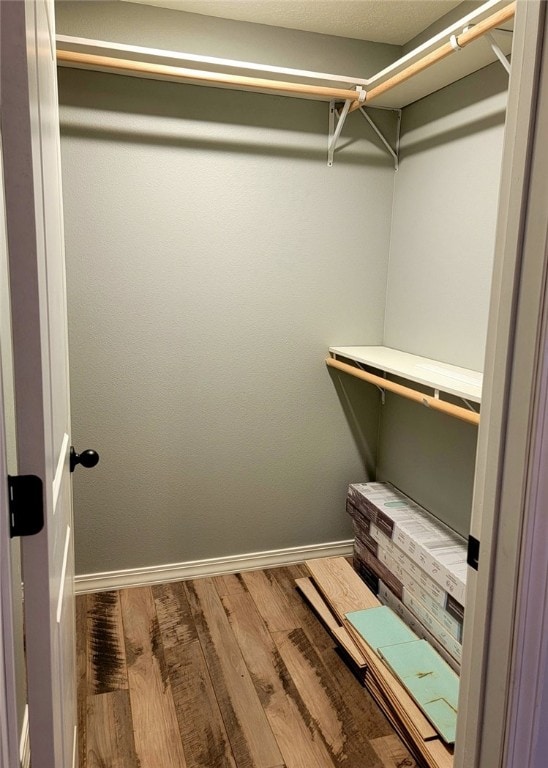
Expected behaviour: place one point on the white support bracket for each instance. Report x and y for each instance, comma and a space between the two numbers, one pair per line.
335, 128
495, 47
393, 152
498, 52
469, 405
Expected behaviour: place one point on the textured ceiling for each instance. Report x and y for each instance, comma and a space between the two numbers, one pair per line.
384, 21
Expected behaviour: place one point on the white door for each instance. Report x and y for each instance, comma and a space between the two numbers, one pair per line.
31, 152
9, 738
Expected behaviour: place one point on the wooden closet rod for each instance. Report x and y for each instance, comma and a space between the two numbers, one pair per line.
266, 85
462, 40
411, 394
164, 72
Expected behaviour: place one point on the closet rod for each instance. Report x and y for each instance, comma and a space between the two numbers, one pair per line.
454, 45
164, 71
411, 394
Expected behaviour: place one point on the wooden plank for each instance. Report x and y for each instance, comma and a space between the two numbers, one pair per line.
322, 641
228, 583
201, 725
317, 603
348, 744
438, 755
347, 680
348, 646
110, 732
270, 600
299, 739
341, 586
339, 633
251, 737
150, 691
106, 650
430, 681
81, 674
413, 719
393, 753
345, 592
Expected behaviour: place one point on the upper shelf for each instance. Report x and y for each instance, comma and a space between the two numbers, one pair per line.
449, 68
441, 377
410, 78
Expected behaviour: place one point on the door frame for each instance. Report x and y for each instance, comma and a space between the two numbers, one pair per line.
9, 737
504, 504
510, 493
9, 720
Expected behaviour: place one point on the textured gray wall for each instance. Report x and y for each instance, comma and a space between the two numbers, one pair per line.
441, 256
212, 259
443, 222
193, 33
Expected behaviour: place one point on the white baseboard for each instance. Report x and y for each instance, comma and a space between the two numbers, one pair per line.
24, 743
161, 574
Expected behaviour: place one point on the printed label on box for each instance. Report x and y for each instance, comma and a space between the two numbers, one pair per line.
434, 547
431, 604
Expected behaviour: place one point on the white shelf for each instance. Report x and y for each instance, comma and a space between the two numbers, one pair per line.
472, 58
451, 379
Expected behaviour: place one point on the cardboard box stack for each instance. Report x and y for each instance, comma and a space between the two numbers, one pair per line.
413, 562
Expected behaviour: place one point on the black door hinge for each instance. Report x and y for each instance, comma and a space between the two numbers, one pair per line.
473, 553
26, 505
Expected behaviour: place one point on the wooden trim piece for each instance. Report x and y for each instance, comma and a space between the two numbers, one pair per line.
344, 591
445, 50
203, 77
417, 725
341, 586
411, 394
392, 753
216, 566
318, 605
337, 631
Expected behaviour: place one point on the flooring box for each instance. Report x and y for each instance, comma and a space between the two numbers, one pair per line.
387, 597
438, 550
448, 636
441, 605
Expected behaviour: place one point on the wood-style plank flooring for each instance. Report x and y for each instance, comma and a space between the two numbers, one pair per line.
226, 672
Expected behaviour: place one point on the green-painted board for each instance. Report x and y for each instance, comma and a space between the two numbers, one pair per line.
380, 627
429, 680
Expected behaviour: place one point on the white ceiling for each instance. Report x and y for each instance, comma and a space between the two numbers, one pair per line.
384, 21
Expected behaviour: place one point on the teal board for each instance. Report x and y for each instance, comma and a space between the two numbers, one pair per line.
380, 627
429, 680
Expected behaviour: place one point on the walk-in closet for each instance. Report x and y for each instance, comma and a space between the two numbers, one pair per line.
298, 297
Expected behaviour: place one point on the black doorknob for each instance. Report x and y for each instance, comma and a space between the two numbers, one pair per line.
87, 458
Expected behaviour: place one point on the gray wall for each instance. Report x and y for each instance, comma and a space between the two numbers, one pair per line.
441, 257
443, 223
212, 259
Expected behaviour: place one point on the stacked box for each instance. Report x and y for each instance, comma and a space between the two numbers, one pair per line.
399, 547
434, 547
387, 597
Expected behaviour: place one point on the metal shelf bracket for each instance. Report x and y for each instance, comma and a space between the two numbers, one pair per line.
498, 52
393, 151
335, 128
336, 123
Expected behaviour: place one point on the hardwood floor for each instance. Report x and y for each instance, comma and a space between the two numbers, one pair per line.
226, 672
